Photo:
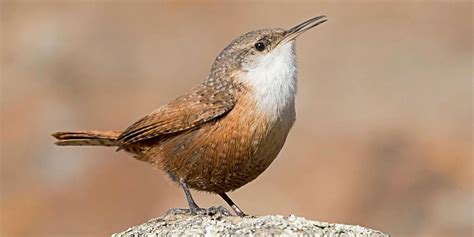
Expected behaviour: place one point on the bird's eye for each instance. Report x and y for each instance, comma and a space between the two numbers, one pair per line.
260, 46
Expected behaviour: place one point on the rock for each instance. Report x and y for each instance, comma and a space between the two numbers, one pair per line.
175, 224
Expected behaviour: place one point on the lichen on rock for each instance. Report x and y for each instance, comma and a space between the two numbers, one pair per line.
174, 224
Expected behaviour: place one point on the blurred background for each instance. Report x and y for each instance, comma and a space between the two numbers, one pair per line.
383, 137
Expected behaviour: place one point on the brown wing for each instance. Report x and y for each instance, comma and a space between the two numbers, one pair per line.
201, 105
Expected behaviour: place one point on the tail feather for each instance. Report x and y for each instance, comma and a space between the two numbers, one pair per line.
87, 138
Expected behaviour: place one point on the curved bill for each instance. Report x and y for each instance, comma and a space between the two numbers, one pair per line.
294, 32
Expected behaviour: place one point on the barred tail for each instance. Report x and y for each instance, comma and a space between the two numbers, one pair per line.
87, 138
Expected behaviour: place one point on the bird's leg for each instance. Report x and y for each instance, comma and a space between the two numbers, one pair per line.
229, 201
194, 208
192, 204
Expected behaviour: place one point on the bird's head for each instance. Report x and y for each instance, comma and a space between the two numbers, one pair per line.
263, 48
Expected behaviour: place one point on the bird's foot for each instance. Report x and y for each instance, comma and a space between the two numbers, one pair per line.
178, 211
219, 210
211, 211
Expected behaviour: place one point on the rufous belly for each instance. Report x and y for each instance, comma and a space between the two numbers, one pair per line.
225, 154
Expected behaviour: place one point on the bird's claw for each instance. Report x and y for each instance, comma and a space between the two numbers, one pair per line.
211, 211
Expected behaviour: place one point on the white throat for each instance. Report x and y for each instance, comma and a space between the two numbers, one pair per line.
273, 81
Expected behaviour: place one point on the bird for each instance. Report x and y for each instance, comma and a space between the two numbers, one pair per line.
225, 131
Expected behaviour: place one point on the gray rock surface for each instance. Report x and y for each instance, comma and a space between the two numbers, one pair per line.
174, 224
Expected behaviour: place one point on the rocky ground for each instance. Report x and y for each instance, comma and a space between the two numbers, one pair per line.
175, 224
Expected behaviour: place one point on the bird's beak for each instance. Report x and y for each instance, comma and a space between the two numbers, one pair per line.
294, 32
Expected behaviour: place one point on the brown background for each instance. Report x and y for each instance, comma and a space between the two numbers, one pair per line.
383, 136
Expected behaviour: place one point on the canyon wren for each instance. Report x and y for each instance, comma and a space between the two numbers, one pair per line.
225, 131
